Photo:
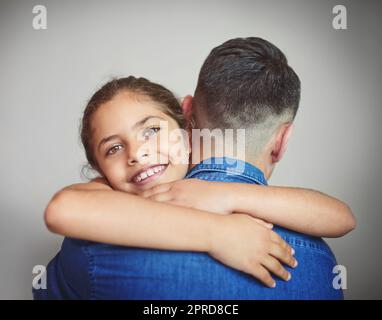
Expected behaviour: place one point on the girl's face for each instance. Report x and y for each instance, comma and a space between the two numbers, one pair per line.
131, 145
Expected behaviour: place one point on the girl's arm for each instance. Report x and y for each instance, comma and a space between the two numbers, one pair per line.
93, 211
302, 210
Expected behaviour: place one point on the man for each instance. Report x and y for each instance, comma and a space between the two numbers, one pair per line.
244, 83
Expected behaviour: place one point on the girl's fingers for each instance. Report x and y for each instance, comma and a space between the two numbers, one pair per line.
263, 223
161, 197
274, 266
157, 189
263, 275
282, 254
277, 239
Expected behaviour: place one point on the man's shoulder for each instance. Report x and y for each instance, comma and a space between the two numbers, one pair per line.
76, 267
68, 273
73, 266
95, 258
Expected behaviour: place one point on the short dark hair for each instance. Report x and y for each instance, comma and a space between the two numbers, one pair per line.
242, 82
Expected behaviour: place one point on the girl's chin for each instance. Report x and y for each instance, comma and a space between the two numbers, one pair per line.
146, 186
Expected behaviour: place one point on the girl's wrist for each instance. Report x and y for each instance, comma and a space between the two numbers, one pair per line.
201, 231
242, 198
228, 196
215, 232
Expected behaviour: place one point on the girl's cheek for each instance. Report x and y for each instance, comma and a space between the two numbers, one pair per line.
179, 171
153, 149
179, 153
116, 172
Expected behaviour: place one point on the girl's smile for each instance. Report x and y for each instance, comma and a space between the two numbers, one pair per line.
148, 174
131, 148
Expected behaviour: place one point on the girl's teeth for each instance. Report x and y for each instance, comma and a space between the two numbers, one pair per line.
149, 173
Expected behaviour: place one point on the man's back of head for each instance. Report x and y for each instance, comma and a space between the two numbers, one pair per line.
246, 83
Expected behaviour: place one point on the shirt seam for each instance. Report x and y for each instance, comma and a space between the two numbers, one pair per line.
310, 245
224, 171
91, 273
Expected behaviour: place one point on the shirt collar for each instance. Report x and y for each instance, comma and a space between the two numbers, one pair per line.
230, 166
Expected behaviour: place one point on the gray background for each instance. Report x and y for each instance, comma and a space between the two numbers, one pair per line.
47, 76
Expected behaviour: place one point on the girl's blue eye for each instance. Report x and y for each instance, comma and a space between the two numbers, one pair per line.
113, 150
150, 131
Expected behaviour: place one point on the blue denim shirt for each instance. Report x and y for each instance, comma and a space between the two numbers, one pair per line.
89, 270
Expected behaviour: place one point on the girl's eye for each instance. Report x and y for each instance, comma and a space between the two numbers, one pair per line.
113, 149
150, 131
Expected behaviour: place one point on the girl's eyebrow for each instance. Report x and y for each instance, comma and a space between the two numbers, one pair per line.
138, 124
104, 140
142, 122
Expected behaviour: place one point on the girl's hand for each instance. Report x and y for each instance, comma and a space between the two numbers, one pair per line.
198, 194
240, 242
192, 193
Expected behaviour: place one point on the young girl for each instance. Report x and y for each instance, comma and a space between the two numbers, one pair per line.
121, 130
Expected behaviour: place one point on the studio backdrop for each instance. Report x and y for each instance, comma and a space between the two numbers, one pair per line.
55, 54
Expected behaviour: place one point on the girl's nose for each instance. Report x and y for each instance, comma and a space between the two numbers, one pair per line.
134, 160
131, 161
136, 155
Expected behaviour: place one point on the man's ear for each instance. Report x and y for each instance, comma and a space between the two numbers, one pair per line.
187, 113
187, 107
282, 138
